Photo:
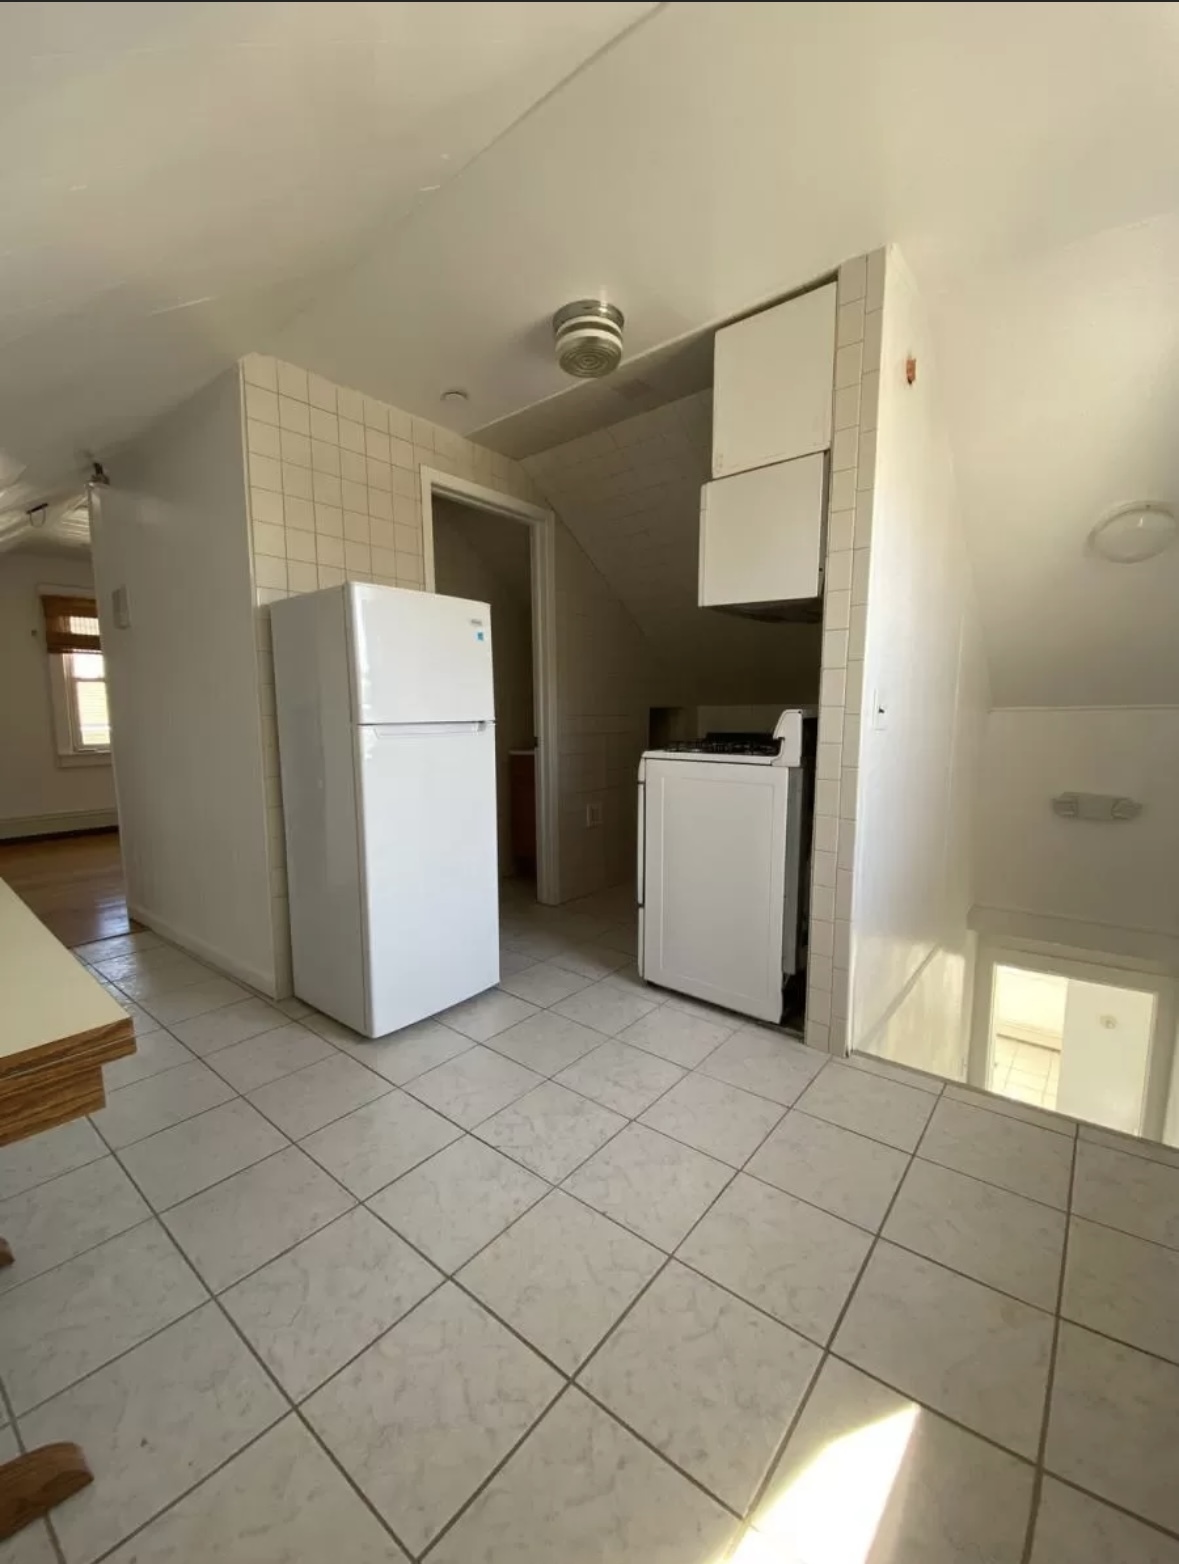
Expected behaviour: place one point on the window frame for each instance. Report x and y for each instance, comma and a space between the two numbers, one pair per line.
70, 751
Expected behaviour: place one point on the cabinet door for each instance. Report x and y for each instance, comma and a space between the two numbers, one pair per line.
761, 535
772, 380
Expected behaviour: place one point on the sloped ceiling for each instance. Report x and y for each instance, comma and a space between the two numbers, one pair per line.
1063, 394
178, 179
721, 154
630, 494
182, 182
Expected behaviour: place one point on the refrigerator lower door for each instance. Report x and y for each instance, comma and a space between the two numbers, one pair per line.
713, 878
429, 869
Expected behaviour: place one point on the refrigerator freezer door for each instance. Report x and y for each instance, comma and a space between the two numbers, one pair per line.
714, 867
428, 848
418, 656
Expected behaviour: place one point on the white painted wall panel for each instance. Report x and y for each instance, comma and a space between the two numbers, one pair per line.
187, 739
917, 765
1123, 874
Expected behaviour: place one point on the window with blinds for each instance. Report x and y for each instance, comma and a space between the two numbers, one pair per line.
78, 674
71, 624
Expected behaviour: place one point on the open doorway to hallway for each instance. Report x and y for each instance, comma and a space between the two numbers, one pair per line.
59, 845
1085, 1039
498, 550
486, 557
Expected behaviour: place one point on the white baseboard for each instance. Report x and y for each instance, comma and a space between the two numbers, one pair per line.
264, 982
54, 825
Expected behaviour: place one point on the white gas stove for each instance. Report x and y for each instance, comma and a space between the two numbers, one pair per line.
720, 866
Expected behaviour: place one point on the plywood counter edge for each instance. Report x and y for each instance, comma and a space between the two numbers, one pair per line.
50, 1004
96, 1045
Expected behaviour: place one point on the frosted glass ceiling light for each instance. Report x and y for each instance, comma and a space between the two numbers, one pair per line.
1133, 533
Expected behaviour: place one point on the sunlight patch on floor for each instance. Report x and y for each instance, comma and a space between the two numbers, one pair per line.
831, 1512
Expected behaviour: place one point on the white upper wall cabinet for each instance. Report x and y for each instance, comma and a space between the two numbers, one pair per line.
761, 535
772, 378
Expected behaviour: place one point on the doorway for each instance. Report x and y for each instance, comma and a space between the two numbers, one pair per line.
1085, 1039
499, 550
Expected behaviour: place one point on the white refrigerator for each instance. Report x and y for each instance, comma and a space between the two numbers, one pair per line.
386, 737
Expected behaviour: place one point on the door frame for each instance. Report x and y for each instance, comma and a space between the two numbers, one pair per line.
1087, 967
542, 525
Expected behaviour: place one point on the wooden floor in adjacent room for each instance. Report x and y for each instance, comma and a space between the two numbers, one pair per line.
73, 883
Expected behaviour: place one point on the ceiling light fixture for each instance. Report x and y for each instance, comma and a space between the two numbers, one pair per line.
455, 394
1134, 533
588, 338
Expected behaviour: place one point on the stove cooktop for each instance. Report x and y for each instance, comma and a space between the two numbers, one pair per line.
724, 744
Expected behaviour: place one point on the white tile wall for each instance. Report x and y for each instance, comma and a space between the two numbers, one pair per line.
630, 494
859, 318
334, 495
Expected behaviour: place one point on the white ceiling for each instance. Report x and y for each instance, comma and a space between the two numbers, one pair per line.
630, 494
269, 159
1063, 386
723, 154
177, 179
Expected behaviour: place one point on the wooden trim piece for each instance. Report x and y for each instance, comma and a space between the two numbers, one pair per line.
30, 1111
33, 1483
80, 822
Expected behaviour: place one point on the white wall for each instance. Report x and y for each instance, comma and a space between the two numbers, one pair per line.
183, 684
1113, 877
1103, 1077
36, 792
630, 494
605, 679
923, 663
487, 557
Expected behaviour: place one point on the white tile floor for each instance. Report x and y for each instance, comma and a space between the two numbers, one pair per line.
300, 1295
1025, 1072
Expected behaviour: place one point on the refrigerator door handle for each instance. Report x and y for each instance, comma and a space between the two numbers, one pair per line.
392, 730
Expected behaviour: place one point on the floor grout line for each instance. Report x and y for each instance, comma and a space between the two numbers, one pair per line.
494, 1473
1050, 1377
826, 1346
216, 1299
125, 1352
1142, 1520
826, 1351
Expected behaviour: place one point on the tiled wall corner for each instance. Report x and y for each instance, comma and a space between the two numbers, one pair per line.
334, 495
859, 319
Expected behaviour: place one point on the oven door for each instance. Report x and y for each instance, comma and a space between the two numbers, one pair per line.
714, 881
